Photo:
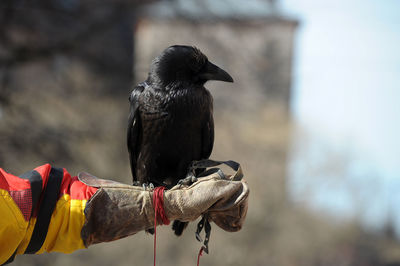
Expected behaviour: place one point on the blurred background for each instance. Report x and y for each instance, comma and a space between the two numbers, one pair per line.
313, 117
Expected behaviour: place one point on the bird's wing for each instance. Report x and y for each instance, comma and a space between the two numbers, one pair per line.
208, 137
134, 129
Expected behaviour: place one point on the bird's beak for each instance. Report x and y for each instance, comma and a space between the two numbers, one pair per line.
212, 72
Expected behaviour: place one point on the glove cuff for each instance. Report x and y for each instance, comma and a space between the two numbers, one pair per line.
114, 213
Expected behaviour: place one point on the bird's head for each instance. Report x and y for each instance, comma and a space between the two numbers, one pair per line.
185, 64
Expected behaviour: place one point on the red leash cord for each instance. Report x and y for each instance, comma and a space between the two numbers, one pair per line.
200, 254
158, 202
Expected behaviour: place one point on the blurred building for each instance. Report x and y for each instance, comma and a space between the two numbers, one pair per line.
252, 40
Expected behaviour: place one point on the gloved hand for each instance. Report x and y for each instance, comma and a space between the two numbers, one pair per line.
118, 210
226, 202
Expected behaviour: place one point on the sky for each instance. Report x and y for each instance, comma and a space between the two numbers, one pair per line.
347, 96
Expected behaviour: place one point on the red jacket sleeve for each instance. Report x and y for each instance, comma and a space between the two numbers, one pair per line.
47, 211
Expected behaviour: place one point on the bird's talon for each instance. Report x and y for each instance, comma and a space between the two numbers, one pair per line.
187, 181
136, 183
147, 186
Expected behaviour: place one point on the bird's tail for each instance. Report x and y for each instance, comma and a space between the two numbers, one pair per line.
178, 227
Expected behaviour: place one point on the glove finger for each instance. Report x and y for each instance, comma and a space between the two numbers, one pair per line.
231, 219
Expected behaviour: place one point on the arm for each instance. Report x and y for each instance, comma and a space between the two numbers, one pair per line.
42, 211
89, 210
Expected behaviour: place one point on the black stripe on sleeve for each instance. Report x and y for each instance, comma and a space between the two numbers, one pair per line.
46, 209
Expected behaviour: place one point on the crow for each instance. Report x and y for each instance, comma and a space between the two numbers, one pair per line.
171, 118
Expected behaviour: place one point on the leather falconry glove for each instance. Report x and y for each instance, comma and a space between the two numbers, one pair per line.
117, 210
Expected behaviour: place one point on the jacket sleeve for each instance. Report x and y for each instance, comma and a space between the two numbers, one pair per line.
41, 211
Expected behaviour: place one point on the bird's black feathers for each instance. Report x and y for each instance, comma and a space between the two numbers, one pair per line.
171, 117
133, 134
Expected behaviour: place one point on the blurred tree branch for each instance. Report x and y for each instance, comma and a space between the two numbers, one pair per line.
39, 30
56, 56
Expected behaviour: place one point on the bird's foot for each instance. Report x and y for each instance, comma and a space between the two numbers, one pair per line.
146, 186
137, 183
188, 180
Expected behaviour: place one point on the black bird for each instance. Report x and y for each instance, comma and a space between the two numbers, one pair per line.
171, 118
